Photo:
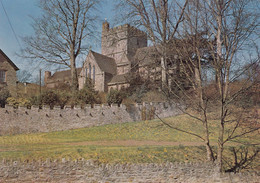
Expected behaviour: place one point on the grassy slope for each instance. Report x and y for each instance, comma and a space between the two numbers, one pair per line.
70, 144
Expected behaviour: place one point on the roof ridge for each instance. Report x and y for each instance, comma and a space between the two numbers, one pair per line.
64, 71
105, 63
68, 70
101, 55
9, 60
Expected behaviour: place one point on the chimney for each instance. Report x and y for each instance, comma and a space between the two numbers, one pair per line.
105, 26
47, 75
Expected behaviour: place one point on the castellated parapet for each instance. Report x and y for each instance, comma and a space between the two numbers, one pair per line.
23, 120
126, 27
122, 41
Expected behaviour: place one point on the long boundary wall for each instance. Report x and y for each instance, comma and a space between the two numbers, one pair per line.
90, 171
23, 120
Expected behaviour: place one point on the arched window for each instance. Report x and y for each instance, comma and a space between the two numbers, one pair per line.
86, 73
89, 67
94, 70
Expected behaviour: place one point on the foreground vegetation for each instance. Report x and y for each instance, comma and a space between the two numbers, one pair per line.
136, 142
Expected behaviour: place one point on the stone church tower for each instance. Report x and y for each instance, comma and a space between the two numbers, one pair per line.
121, 43
110, 69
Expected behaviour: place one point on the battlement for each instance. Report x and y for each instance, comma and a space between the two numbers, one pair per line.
44, 119
122, 40
122, 28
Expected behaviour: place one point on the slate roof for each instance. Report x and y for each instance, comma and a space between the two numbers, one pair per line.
146, 56
3, 55
119, 79
106, 64
64, 74
151, 55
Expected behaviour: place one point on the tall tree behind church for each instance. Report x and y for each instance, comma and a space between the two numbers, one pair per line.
61, 33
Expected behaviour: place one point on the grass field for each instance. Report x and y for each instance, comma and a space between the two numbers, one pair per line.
138, 142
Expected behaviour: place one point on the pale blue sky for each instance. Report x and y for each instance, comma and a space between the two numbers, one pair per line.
19, 12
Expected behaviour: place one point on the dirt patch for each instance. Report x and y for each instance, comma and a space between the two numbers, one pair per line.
135, 143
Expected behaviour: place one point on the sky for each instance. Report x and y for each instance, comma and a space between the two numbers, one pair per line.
20, 13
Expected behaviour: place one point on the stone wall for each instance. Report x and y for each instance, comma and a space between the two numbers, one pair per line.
23, 120
90, 171
10, 76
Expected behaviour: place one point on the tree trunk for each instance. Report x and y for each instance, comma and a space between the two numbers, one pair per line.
220, 146
210, 155
74, 74
198, 85
164, 73
220, 82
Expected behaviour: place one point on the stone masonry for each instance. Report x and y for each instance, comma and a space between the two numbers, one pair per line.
10, 69
81, 171
23, 120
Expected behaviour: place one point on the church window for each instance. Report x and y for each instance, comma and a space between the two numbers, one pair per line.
94, 70
86, 73
2, 76
89, 75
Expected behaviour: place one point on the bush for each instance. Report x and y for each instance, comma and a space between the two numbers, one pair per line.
102, 97
36, 100
87, 95
154, 96
15, 102
63, 87
137, 93
49, 98
4, 94
63, 98
115, 97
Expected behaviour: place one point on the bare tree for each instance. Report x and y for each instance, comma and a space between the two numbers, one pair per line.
160, 19
234, 21
220, 31
61, 32
24, 76
209, 38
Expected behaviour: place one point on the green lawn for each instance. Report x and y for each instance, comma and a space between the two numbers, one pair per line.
145, 130
112, 143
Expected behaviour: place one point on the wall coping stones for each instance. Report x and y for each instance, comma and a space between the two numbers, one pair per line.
56, 107
35, 107
105, 105
9, 107
88, 106
77, 107
22, 108
97, 106
46, 107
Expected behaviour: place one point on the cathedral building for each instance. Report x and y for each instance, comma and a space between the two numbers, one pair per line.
122, 49
110, 68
